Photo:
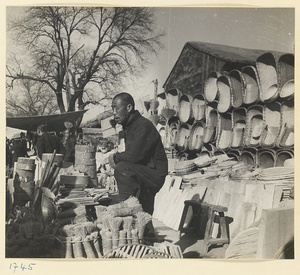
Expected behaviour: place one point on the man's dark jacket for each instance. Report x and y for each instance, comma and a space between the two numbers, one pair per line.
143, 145
47, 143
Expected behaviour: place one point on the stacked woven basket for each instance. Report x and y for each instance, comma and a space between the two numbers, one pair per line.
246, 112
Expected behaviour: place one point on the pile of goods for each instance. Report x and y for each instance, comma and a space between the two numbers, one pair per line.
246, 113
121, 224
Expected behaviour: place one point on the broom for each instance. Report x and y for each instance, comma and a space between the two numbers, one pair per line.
95, 238
77, 247
127, 225
115, 224
88, 248
69, 248
142, 220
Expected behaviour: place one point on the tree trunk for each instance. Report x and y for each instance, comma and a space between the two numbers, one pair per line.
60, 102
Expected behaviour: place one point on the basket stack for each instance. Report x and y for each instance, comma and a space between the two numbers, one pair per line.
250, 107
85, 162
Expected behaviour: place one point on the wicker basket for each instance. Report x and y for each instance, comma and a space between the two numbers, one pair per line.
286, 76
183, 136
162, 102
251, 82
282, 156
172, 130
238, 119
185, 109
267, 72
272, 124
196, 136
224, 131
172, 97
210, 133
184, 166
225, 94
285, 137
249, 157
266, 158
198, 107
210, 86
238, 88
254, 126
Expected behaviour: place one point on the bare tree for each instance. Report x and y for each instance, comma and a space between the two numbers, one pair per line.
31, 99
75, 49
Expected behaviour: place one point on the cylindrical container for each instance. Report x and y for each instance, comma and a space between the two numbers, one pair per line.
85, 162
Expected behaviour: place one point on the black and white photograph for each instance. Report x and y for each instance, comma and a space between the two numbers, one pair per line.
148, 132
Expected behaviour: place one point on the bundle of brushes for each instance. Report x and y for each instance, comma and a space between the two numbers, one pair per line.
82, 241
117, 231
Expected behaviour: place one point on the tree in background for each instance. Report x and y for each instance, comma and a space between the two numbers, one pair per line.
76, 50
30, 99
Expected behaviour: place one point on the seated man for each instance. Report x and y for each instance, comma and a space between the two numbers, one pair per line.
141, 169
47, 143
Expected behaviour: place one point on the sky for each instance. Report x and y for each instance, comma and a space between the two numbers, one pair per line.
254, 28
264, 28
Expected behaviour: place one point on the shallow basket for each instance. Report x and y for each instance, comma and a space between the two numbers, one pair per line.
210, 134
267, 72
266, 158
196, 136
172, 127
172, 97
210, 86
254, 126
225, 94
198, 107
286, 76
224, 131
238, 119
237, 87
272, 124
282, 156
185, 109
249, 157
183, 136
251, 82
285, 138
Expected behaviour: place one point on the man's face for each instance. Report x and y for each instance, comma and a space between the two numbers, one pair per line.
121, 110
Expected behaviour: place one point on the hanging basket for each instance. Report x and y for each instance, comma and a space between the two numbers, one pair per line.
286, 76
196, 136
237, 87
235, 154
210, 86
225, 94
224, 131
238, 128
251, 82
198, 107
254, 126
185, 109
272, 124
285, 137
267, 72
